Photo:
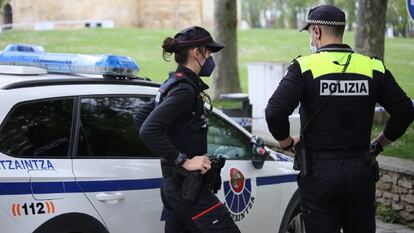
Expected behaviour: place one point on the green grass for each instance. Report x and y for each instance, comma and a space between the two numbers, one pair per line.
402, 148
387, 214
254, 45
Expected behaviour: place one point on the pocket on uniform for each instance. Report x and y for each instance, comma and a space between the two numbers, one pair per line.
198, 138
213, 218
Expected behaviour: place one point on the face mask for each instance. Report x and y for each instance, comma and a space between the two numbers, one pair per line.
207, 68
312, 45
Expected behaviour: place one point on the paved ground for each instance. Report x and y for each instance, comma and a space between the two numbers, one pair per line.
392, 228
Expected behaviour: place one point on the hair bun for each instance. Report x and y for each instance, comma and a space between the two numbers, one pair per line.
169, 45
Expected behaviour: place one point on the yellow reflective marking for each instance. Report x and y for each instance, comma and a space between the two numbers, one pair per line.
323, 63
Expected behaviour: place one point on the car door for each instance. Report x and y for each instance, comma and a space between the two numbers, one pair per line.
252, 204
36, 171
116, 171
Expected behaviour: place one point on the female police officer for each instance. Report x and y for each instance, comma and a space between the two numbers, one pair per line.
177, 131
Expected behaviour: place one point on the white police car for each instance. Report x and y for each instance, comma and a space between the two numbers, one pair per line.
71, 159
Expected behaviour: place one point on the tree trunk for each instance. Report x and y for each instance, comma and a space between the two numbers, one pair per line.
370, 34
226, 74
351, 5
293, 20
254, 15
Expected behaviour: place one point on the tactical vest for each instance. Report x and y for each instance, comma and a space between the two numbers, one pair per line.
189, 137
345, 121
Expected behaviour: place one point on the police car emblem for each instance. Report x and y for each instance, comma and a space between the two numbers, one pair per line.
239, 194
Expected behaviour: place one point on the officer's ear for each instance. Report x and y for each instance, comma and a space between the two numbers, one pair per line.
196, 52
201, 52
316, 30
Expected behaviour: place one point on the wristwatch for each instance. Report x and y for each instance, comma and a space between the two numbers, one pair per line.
181, 158
290, 146
375, 149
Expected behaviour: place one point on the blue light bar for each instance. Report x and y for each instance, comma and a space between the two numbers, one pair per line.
24, 48
73, 63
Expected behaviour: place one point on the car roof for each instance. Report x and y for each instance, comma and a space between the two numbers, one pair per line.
12, 81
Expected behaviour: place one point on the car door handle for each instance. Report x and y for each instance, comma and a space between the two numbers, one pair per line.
110, 197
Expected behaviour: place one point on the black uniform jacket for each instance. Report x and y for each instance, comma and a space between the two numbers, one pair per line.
346, 119
176, 125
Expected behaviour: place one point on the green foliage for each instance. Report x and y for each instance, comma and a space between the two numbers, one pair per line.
253, 10
387, 214
398, 17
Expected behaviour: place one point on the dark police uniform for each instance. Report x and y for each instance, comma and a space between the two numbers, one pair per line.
177, 128
340, 190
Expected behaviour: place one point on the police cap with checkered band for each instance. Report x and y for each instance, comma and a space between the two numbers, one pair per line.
325, 15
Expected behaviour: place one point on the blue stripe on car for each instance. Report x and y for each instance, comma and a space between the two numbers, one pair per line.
20, 188
17, 188
270, 180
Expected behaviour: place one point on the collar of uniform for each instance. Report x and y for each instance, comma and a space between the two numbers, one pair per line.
335, 48
193, 77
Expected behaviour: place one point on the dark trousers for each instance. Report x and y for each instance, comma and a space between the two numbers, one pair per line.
339, 194
206, 215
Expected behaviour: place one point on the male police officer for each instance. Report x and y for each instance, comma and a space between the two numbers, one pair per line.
338, 90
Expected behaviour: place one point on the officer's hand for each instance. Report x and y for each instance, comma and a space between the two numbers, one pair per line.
197, 163
296, 139
289, 144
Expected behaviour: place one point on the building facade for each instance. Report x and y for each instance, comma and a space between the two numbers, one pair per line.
123, 13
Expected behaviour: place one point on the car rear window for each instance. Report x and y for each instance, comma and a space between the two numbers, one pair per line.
109, 127
38, 129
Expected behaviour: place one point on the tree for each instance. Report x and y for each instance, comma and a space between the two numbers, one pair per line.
280, 6
251, 13
299, 7
254, 10
370, 34
397, 16
349, 6
226, 75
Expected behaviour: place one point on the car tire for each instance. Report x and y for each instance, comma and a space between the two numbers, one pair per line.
72, 223
292, 221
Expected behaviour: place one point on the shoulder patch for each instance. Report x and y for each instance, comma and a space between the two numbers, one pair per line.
377, 65
303, 63
179, 74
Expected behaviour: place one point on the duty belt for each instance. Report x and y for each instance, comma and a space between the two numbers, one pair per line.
338, 154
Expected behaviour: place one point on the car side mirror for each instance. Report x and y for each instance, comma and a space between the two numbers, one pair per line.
259, 153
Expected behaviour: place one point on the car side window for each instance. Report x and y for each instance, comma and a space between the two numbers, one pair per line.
224, 139
36, 129
108, 127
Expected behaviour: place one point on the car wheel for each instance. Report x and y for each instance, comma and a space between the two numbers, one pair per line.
296, 224
292, 221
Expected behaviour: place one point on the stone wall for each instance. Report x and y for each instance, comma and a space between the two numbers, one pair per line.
395, 188
124, 13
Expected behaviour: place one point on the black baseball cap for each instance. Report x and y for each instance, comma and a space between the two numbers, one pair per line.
197, 36
325, 15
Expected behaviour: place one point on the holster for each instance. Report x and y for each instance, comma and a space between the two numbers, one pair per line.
302, 161
213, 177
192, 182
373, 163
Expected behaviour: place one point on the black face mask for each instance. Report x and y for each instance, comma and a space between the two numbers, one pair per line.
207, 68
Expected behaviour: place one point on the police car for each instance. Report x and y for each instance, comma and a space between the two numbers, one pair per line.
71, 159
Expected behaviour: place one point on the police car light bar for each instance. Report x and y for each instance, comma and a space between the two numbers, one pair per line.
24, 48
108, 65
